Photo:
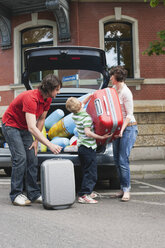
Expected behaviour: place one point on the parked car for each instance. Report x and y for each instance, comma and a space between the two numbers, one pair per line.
82, 70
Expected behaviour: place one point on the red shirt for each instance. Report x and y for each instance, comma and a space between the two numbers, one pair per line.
30, 101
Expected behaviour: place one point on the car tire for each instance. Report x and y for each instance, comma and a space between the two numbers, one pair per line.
114, 183
8, 171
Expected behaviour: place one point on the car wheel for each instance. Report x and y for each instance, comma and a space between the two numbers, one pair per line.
114, 183
8, 171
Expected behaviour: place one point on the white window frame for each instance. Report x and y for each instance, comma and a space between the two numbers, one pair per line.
35, 22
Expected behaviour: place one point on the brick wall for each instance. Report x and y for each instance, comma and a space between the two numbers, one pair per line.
6, 67
84, 23
149, 92
6, 97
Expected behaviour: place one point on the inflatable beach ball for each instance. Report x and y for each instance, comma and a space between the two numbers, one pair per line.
63, 128
53, 118
73, 141
61, 141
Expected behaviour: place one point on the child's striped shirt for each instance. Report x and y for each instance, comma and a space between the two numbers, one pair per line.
82, 120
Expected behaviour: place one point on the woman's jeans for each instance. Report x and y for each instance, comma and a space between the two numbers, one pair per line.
87, 158
121, 150
24, 162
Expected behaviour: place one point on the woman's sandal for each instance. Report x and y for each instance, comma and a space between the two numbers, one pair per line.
126, 197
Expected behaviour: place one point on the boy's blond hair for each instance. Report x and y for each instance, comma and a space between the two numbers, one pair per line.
73, 105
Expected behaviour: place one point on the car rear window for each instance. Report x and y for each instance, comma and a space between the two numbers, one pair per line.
72, 78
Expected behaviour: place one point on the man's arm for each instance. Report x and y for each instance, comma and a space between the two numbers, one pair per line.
34, 130
41, 121
40, 125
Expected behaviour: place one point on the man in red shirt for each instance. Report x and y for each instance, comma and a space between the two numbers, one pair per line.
25, 117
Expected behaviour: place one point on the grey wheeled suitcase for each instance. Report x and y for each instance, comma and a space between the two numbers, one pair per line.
57, 183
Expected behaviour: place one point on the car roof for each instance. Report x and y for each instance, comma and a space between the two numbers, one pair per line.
64, 57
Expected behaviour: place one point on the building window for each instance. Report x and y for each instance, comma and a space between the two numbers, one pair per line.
118, 45
35, 37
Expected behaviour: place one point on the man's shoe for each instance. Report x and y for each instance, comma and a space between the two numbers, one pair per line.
38, 200
21, 200
94, 195
86, 199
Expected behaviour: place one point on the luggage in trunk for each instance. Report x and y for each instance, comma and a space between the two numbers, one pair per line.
105, 110
57, 183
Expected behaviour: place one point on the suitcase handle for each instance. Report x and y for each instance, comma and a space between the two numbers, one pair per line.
106, 105
98, 106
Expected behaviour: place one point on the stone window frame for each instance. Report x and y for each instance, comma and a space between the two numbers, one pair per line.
35, 22
119, 41
135, 39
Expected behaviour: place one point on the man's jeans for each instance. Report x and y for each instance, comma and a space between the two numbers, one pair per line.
24, 162
121, 150
87, 158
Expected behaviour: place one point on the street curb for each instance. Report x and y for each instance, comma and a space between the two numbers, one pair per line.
147, 169
148, 175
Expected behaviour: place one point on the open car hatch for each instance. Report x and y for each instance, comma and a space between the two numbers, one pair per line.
53, 58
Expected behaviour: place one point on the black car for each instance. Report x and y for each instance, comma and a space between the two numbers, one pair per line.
82, 70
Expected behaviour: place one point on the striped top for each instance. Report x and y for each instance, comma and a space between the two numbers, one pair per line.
82, 120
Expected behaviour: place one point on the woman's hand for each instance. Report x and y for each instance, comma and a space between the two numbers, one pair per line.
119, 135
127, 120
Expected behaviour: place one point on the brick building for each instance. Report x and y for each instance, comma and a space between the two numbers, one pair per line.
123, 28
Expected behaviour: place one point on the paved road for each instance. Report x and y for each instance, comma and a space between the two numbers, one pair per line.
109, 224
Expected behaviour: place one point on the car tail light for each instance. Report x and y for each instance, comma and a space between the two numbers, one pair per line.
75, 58
53, 58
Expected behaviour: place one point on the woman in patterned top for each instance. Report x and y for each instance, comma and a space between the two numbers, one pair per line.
86, 148
124, 142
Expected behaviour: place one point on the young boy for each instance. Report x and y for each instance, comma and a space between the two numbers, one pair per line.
86, 148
